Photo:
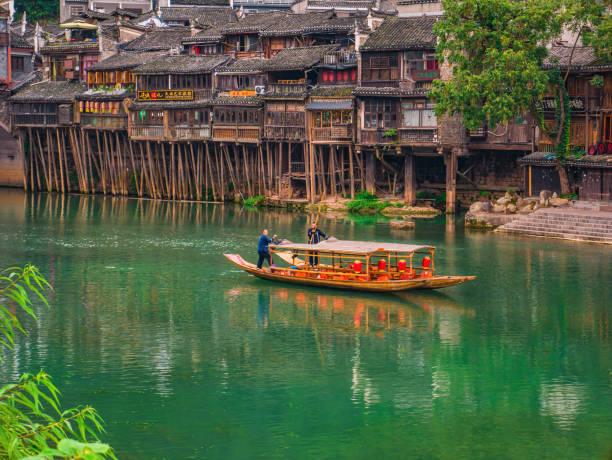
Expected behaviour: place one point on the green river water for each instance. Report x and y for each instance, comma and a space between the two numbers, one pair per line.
185, 356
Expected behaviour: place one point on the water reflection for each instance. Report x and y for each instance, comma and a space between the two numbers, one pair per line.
148, 321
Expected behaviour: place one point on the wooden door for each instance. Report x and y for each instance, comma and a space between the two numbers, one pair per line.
607, 128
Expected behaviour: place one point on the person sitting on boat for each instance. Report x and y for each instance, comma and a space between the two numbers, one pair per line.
262, 248
314, 237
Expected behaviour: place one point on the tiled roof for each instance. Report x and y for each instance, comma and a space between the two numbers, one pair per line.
304, 24
243, 65
583, 58
332, 91
181, 64
209, 35
330, 105
298, 58
255, 22
251, 100
17, 41
104, 96
124, 61
402, 33
49, 91
69, 46
205, 15
158, 39
417, 2
387, 91
340, 4
548, 159
201, 2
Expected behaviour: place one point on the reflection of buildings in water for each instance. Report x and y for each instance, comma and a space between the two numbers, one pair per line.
361, 386
563, 402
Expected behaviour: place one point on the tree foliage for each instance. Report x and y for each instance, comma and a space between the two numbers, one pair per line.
496, 50
34, 425
37, 10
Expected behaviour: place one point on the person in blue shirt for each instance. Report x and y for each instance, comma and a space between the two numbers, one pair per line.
262, 248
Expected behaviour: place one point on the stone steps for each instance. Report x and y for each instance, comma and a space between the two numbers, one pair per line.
571, 224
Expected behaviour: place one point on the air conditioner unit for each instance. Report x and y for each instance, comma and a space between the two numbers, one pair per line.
260, 90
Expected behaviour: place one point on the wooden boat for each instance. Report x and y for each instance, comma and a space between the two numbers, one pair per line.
355, 265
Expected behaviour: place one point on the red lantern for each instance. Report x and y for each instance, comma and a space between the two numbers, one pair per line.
401, 265
353, 75
345, 75
325, 75
357, 266
382, 264
331, 76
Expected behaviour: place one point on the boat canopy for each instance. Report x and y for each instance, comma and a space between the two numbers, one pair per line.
351, 247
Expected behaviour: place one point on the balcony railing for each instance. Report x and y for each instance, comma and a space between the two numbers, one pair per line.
298, 167
147, 132
334, 134
340, 57
404, 136
189, 132
297, 133
108, 121
35, 119
281, 89
237, 133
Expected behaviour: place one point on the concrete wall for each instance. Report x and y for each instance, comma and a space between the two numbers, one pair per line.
11, 161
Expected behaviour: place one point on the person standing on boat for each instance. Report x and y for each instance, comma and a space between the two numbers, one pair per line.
262, 248
314, 236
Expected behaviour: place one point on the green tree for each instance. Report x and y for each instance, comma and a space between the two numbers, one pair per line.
33, 423
496, 50
37, 10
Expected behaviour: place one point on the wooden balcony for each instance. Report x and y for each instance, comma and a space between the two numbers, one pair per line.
333, 134
236, 133
297, 133
147, 133
202, 94
505, 137
189, 133
104, 121
405, 136
34, 119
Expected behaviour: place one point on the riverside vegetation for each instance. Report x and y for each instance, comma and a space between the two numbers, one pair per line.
34, 425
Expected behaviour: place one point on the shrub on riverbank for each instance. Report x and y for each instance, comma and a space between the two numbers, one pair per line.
366, 203
254, 201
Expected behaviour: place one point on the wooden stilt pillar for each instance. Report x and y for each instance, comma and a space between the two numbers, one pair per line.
351, 171
451, 181
409, 179
370, 172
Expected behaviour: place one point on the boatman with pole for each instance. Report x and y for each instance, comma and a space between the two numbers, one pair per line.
314, 237
262, 248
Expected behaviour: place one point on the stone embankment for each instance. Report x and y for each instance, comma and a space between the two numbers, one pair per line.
580, 223
489, 215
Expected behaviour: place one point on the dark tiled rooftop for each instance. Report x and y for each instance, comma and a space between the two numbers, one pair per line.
403, 33
387, 91
159, 39
17, 41
298, 58
205, 15
243, 65
124, 61
181, 64
49, 91
583, 58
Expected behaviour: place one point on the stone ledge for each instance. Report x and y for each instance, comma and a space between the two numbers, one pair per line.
488, 221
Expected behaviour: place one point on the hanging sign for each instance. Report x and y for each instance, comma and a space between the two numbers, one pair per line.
242, 93
166, 95
550, 103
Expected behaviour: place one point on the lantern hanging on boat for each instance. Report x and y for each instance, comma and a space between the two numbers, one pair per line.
357, 266
382, 264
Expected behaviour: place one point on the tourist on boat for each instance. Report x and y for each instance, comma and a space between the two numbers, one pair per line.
262, 248
314, 237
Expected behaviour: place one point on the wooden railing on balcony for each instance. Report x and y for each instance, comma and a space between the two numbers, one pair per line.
35, 119
154, 133
405, 136
340, 57
202, 94
188, 133
237, 133
333, 134
297, 133
106, 121
381, 83
298, 168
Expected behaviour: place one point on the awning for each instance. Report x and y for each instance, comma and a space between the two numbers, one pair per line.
351, 247
330, 105
78, 25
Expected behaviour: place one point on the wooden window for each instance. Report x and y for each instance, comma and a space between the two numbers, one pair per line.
418, 113
17, 63
380, 113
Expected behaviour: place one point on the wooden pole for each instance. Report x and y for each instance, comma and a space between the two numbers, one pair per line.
351, 171
451, 181
409, 179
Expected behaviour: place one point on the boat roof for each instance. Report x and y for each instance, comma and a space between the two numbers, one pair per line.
350, 247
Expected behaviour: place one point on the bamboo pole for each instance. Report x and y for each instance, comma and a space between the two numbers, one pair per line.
210, 173
42, 162
351, 171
